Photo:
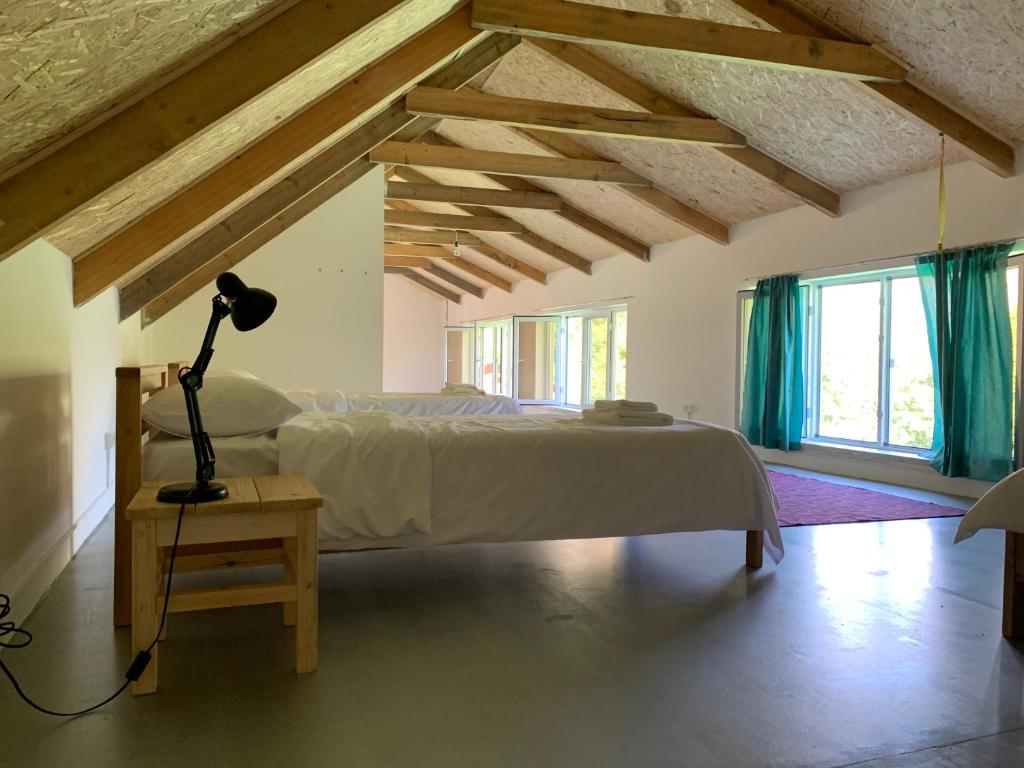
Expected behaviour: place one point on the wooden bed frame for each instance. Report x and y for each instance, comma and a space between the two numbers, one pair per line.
1013, 587
134, 386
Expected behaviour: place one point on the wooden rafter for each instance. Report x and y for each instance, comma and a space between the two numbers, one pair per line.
329, 117
495, 198
655, 198
450, 221
459, 282
984, 147
406, 261
581, 219
502, 163
569, 118
309, 186
641, 94
46, 191
404, 250
427, 283
527, 236
516, 265
609, 26
426, 237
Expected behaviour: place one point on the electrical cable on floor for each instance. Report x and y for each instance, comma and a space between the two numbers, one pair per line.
22, 638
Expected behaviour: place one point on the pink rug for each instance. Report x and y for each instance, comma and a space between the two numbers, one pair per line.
805, 501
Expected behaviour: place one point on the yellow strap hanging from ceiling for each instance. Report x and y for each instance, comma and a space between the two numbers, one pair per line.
942, 191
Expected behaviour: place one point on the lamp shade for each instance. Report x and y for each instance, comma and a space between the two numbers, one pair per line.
250, 307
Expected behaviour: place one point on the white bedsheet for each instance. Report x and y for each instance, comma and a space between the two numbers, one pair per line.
524, 478
405, 403
168, 458
1001, 507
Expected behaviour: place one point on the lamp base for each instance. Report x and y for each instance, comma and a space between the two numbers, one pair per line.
179, 493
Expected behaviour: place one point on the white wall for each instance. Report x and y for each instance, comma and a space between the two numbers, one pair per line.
327, 273
57, 391
413, 337
682, 306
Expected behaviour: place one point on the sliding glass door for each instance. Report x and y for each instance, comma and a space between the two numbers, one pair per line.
493, 357
459, 355
537, 356
595, 366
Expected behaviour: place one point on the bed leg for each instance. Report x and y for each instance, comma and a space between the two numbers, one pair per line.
755, 549
1013, 587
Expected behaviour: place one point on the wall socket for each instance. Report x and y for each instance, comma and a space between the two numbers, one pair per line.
689, 410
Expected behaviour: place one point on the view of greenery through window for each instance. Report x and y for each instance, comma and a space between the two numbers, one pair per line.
598, 358
620, 354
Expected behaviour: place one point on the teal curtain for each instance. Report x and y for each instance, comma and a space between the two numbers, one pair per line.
968, 318
772, 412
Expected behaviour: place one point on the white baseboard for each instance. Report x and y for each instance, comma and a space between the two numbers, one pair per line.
37, 582
91, 518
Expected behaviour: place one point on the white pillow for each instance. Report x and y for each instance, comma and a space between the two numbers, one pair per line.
232, 406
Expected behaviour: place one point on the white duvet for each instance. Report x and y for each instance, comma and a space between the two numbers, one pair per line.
393, 481
1001, 507
406, 403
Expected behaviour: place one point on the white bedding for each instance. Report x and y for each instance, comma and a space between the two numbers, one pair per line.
167, 458
405, 403
395, 481
1001, 507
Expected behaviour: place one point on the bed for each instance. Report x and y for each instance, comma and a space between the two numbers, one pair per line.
1002, 508
391, 480
406, 403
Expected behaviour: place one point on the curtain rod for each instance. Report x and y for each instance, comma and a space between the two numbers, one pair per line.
885, 260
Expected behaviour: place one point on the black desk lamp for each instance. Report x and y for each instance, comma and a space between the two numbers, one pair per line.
249, 308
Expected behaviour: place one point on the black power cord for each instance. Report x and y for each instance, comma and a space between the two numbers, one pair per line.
23, 638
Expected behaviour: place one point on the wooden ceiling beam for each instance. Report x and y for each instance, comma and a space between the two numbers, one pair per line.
581, 219
452, 221
510, 262
983, 146
685, 214
459, 282
775, 171
569, 118
597, 25
426, 237
527, 236
46, 190
329, 117
495, 198
502, 163
310, 186
479, 272
406, 261
425, 282
412, 249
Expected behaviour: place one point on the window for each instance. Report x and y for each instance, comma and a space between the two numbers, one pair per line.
569, 358
867, 364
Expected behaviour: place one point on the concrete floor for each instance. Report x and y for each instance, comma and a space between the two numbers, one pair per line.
872, 644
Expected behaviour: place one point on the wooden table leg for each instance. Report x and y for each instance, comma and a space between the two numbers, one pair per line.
146, 577
755, 549
288, 609
1013, 587
306, 589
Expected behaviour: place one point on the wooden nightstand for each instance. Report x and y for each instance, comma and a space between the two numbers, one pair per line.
276, 515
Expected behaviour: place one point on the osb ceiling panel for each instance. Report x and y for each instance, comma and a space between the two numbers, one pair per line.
64, 63
699, 176
971, 51
603, 201
820, 125
123, 203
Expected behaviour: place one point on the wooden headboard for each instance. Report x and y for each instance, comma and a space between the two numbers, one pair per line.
134, 386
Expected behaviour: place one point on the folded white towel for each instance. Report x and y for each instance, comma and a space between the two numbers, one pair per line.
632, 406
461, 389
619, 418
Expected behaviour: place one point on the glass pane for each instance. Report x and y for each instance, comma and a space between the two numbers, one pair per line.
489, 363
574, 361
848, 385
538, 356
598, 354
620, 355
911, 392
746, 308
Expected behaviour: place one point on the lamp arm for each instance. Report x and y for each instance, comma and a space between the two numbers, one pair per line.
191, 380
